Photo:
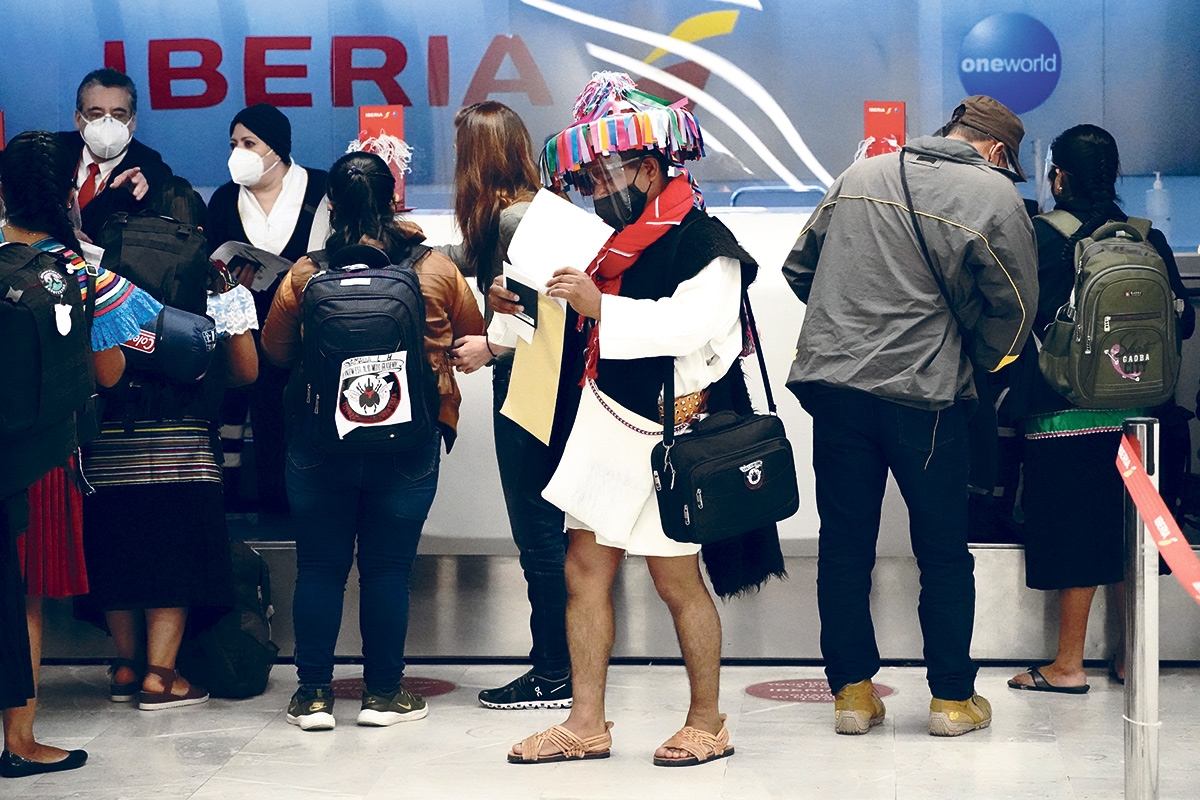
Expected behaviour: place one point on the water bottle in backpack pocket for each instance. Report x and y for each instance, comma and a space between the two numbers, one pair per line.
1116, 342
367, 384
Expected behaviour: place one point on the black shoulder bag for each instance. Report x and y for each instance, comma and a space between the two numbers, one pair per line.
730, 474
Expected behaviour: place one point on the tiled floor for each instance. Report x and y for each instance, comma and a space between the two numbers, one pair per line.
1039, 746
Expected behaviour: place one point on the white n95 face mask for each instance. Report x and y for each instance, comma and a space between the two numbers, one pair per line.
246, 167
106, 137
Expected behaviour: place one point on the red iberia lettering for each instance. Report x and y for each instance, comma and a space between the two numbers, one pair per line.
163, 74
438, 71
256, 70
344, 73
114, 56
529, 79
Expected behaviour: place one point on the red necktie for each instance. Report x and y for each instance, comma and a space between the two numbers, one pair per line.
88, 190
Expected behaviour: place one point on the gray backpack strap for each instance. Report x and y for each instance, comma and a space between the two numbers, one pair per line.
1062, 221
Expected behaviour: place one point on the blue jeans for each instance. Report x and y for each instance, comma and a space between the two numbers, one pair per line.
857, 438
537, 529
380, 502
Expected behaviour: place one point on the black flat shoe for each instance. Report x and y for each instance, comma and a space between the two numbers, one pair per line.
13, 766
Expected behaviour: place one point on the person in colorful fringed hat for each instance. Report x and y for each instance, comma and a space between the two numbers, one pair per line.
665, 286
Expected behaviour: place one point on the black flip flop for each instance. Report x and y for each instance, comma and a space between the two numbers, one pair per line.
1040, 684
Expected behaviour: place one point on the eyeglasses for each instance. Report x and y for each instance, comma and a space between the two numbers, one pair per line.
602, 172
119, 114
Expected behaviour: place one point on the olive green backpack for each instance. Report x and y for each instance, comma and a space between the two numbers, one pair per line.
1115, 343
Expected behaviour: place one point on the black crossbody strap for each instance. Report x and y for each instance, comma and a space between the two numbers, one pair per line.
757, 344
915, 221
668, 414
937, 276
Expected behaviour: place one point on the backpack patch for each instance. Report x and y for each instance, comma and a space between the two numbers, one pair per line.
374, 391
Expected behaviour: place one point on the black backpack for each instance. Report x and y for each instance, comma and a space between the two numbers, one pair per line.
47, 375
233, 658
169, 260
368, 386
48, 372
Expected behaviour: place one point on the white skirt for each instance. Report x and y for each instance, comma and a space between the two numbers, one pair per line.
604, 483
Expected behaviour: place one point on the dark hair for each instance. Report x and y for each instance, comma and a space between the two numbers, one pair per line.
494, 168
178, 200
361, 188
269, 125
965, 132
1088, 155
37, 174
110, 79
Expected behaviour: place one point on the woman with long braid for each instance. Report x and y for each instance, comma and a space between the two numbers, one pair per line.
1074, 520
37, 178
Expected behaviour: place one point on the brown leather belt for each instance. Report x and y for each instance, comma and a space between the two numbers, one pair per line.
688, 407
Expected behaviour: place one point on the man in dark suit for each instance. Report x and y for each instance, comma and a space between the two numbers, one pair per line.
114, 172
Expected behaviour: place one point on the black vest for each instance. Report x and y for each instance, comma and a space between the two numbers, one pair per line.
678, 256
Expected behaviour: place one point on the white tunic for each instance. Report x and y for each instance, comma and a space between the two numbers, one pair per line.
603, 482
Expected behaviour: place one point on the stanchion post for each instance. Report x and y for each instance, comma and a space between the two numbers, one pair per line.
1141, 631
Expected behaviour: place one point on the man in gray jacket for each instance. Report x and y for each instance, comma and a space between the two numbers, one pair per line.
898, 317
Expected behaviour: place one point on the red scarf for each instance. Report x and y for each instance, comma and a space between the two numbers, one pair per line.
625, 247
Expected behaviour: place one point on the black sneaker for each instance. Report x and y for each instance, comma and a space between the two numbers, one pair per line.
381, 710
530, 691
312, 709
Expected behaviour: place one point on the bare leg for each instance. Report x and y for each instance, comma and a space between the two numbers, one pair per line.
1118, 594
698, 627
127, 632
590, 569
164, 632
18, 722
1067, 669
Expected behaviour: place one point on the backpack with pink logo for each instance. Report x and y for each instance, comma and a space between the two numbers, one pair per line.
1116, 342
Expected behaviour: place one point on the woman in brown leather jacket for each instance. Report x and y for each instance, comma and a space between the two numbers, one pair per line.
377, 501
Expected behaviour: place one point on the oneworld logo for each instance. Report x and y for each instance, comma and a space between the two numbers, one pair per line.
1013, 58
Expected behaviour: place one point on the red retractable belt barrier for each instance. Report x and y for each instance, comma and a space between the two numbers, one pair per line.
1172, 544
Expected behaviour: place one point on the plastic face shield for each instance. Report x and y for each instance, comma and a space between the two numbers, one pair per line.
607, 176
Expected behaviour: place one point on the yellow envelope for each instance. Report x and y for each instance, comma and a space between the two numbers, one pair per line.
533, 390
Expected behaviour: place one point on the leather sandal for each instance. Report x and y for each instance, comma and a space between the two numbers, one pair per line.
702, 745
128, 691
158, 701
570, 747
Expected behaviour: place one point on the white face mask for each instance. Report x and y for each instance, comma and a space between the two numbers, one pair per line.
246, 167
106, 137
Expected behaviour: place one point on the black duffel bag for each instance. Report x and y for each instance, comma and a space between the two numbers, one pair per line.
730, 474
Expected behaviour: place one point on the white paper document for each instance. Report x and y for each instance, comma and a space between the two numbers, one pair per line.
554, 234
